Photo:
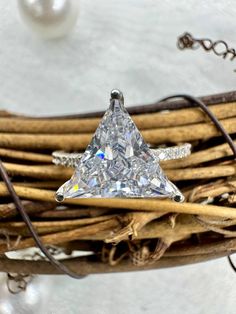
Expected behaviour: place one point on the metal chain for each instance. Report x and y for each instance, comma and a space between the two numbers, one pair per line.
219, 47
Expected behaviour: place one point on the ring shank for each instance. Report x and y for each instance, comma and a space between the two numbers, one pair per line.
169, 153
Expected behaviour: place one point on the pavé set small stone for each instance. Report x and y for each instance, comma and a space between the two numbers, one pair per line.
118, 162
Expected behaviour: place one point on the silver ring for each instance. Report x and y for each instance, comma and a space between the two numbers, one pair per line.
169, 153
118, 162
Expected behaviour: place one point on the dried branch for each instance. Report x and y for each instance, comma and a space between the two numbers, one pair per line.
62, 173
9, 210
68, 213
22, 155
112, 228
200, 157
65, 236
133, 222
87, 125
91, 265
193, 132
132, 204
78, 142
212, 189
46, 227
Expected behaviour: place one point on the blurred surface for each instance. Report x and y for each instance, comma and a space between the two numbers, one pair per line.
196, 289
130, 45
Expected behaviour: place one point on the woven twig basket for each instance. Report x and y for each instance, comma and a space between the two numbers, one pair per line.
121, 234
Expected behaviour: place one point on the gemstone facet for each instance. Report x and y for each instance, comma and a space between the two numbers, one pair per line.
118, 163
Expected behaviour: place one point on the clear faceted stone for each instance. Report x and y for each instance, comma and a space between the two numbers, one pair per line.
118, 163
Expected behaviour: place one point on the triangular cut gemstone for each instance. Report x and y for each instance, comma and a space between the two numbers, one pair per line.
118, 163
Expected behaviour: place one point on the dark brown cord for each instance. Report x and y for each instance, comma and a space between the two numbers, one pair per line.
193, 102
197, 102
231, 263
31, 228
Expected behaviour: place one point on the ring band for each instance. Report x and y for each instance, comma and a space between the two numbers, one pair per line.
169, 153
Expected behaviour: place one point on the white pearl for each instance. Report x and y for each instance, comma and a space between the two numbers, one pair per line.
49, 18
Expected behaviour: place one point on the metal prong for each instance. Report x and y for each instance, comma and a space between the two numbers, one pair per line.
59, 197
117, 94
178, 198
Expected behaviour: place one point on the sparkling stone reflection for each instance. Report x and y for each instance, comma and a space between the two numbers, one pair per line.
118, 163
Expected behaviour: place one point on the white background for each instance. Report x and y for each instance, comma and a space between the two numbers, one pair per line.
131, 45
